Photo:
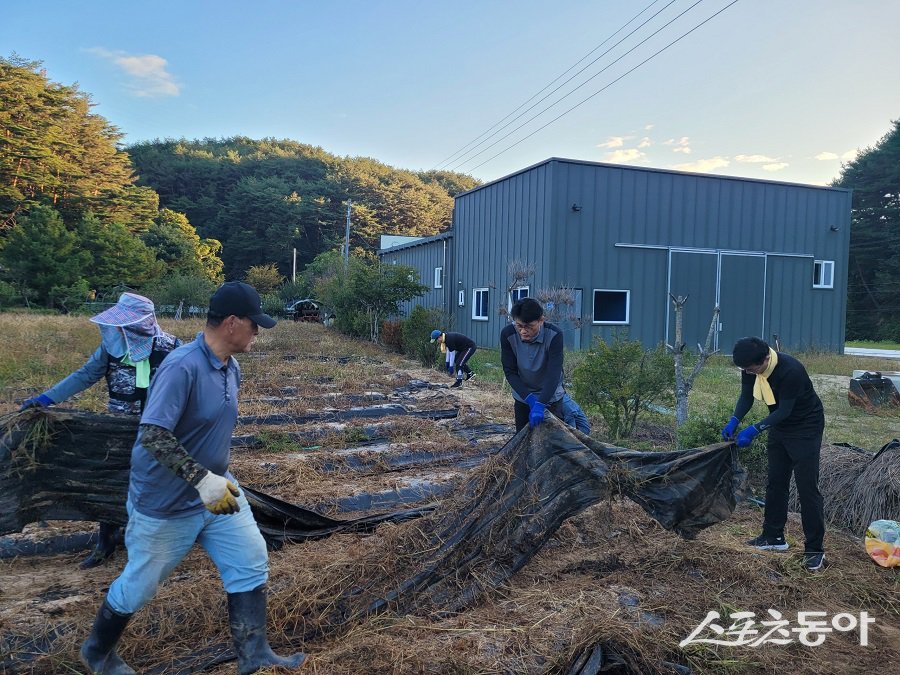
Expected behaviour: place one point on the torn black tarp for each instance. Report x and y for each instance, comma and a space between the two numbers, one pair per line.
482, 534
71, 465
518, 499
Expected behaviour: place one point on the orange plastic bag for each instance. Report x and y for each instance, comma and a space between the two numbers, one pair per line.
883, 542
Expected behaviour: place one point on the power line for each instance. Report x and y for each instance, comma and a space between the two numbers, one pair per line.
487, 133
628, 72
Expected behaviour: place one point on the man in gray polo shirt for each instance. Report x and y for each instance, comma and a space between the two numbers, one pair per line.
181, 491
531, 351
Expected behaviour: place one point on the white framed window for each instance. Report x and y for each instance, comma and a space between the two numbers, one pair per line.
516, 294
823, 274
611, 306
480, 304
438, 277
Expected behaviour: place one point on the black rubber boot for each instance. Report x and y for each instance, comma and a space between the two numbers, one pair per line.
98, 653
106, 546
247, 616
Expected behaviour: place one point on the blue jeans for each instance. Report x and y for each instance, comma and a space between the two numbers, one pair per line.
574, 416
156, 546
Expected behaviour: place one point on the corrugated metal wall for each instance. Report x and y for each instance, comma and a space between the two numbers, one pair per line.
790, 224
506, 222
748, 245
425, 256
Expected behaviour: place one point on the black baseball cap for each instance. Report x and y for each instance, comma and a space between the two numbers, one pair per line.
240, 299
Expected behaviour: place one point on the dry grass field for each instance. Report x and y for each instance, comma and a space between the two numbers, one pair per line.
610, 576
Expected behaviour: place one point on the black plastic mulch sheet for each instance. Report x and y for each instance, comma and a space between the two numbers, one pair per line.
72, 465
510, 508
499, 519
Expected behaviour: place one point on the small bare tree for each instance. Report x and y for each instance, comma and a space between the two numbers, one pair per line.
518, 272
684, 385
559, 305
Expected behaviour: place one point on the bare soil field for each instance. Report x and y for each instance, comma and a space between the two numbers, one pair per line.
611, 588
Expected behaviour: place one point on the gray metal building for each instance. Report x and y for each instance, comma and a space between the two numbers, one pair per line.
772, 255
432, 258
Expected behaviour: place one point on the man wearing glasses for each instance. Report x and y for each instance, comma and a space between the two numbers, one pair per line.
531, 351
795, 424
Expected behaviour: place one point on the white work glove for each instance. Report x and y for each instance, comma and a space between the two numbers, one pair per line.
218, 494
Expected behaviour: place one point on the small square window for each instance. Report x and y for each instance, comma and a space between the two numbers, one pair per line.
438, 277
480, 304
823, 274
611, 306
517, 294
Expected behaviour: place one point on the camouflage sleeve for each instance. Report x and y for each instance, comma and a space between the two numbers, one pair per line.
165, 449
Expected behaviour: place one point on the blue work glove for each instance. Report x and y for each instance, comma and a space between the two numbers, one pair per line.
536, 416
746, 436
39, 401
729, 429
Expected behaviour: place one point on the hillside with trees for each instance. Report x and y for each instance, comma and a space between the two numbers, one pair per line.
73, 222
81, 216
263, 198
873, 303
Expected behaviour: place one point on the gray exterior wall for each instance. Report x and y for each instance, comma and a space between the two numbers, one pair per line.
425, 255
749, 245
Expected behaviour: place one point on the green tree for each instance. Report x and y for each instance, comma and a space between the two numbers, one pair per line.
622, 380
177, 244
362, 292
117, 256
41, 253
873, 307
264, 278
54, 151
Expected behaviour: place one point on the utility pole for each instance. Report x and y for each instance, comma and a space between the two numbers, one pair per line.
294, 276
347, 234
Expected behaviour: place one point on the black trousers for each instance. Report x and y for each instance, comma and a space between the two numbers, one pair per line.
462, 365
800, 457
522, 411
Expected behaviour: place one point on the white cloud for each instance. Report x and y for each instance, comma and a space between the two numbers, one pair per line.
849, 156
649, 127
682, 149
645, 142
149, 73
681, 142
624, 156
704, 165
613, 142
754, 159
823, 156
775, 166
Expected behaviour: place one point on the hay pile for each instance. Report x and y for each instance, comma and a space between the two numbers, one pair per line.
858, 486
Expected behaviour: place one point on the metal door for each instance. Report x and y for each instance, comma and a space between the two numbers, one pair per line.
742, 298
693, 274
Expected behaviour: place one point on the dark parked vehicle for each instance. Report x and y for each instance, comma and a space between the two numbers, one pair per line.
309, 310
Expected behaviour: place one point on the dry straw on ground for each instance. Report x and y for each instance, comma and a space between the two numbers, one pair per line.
608, 576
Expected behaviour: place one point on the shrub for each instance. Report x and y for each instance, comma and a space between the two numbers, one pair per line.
705, 428
417, 335
271, 304
392, 334
174, 289
622, 380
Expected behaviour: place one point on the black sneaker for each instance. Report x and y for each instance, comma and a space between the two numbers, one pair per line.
470, 375
814, 560
766, 543
456, 384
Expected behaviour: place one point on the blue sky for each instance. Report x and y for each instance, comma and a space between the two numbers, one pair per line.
773, 89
